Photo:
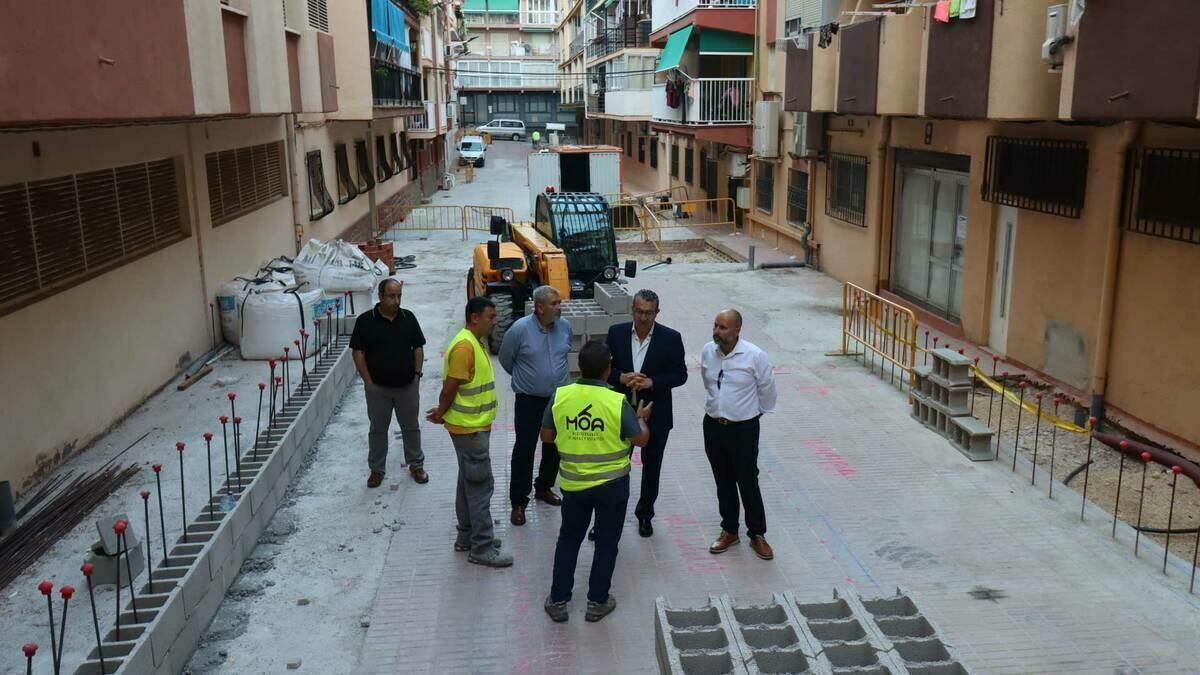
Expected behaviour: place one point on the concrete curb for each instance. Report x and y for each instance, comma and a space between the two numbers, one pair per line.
190, 585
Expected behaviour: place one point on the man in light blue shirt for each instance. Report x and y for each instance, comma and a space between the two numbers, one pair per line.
534, 352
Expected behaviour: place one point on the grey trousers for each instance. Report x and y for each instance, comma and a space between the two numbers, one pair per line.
405, 402
472, 503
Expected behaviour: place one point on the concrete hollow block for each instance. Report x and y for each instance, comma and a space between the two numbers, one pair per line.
770, 637
111, 665
699, 638
899, 628
851, 654
846, 630
111, 651
947, 668
927, 650
890, 607
109, 545
826, 611
760, 614
777, 660
125, 633
108, 569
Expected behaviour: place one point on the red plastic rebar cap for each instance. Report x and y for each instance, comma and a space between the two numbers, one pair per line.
1021, 384
1177, 469
1039, 396
208, 434
232, 396
261, 386
1004, 374
278, 380
271, 362
87, 568
316, 322
45, 587
179, 446
285, 352
1145, 457
119, 527
976, 360
285, 355
224, 419
156, 467
30, 649
145, 494
1124, 445
237, 420
66, 592
963, 352
995, 357
1092, 421
337, 303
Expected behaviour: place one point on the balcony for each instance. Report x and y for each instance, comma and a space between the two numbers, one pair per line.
666, 12
577, 46
627, 103
428, 124
539, 18
595, 103
718, 101
613, 40
395, 87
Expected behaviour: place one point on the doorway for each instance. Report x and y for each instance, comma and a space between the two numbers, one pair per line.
1002, 270
576, 171
738, 214
930, 236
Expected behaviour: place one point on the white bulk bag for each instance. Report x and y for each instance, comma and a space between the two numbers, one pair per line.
334, 266
271, 321
278, 270
230, 297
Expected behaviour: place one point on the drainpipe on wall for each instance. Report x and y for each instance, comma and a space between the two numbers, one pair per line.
196, 232
293, 154
1112, 267
880, 160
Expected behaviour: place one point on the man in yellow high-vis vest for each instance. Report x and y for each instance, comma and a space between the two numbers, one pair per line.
594, 428
467, 406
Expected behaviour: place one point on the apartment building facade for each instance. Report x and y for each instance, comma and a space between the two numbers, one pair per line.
152, 152
509, 67
1021, 175
572, 48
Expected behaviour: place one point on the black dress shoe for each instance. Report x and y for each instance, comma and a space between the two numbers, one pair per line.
645, 529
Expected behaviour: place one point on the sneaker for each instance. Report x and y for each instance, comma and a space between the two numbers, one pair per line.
494, 557
557, 610
463, 546
599, 610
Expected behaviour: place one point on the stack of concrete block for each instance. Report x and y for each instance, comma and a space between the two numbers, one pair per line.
590, 319
941, 400
846, 634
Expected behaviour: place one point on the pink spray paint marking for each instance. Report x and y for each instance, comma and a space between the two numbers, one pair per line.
833, 463
697, 558
816, 389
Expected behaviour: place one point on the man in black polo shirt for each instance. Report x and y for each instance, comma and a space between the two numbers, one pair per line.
389, 353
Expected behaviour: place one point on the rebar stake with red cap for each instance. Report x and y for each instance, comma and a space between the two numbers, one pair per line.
162, 520
287, 380
182, 492
1053, 444
46, 587
1000, 417
1175, 471
974, 383
237, 451
317, 344
1037, 432
1120, 473
926, 355
303, 365
337, 305
225, 439
30, 649
208, 454
271, 416
992, 392
1138, 530
1195, 556
257, 419
66, 592
120, 527
87, 569
146, 508
1087, 467
277, 395
1017, 434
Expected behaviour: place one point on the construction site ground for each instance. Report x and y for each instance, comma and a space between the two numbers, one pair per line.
858, 495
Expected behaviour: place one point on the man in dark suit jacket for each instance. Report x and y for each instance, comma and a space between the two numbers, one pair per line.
648, 362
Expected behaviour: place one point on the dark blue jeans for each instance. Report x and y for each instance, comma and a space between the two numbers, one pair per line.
609, 501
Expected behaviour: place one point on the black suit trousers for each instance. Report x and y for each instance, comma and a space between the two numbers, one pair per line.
652, 461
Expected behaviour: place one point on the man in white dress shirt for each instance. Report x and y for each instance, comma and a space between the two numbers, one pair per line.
739, 386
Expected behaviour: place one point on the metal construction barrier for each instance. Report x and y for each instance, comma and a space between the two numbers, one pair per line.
397, 218
479, 218
717, 212
879, 328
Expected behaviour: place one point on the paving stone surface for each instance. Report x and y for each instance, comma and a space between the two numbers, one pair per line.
859, 496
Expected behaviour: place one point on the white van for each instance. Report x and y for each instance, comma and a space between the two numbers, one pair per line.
471, 149
514, 129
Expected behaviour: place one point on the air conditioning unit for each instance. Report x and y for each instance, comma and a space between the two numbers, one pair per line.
766, 128
1056, 36
739, 165
807, 134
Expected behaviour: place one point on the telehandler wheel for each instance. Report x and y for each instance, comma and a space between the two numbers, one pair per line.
504, 319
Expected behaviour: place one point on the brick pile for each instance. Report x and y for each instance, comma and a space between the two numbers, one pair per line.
377, 249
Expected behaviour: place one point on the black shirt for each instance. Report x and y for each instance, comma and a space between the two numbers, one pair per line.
388, 345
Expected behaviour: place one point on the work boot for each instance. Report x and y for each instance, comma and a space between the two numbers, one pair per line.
493, 557
723, 542
557, 610
375, 479
463, 545
599, 610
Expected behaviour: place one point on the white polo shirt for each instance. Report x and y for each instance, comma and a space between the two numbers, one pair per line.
739, 385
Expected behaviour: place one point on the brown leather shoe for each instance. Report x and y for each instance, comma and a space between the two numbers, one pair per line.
723, 542
518, 516
375, 479
761, 548
418, 474
548, 496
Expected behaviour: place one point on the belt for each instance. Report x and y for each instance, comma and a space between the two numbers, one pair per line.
723, 421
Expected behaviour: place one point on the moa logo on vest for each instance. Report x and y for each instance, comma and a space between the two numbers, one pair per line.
584, 421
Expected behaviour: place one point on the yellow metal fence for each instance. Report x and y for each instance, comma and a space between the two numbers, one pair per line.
878, 330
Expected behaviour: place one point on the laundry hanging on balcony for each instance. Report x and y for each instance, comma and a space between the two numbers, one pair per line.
391, 34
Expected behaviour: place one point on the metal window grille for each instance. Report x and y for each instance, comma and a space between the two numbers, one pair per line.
57, 232
689, 160
703, 170
641, 150
320, 203
797, 197
242, 180
654, 153
397, 156
318, 15
383, 168
674, 161
846, 189
347, 190
764, 186
1161, 195
366, 181
1043, 175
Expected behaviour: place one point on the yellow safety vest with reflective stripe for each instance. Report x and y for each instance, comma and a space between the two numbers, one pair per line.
591, 452
475, 403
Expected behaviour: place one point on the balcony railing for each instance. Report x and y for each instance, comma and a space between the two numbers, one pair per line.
595, 103
629, 103
665, 12
577, 45
613, 40
547, 18
715, 101
392, 86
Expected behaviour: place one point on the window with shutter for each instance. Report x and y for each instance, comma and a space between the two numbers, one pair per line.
654, 153
318, 14
242, 180
397, 156
797, 197
320, 203
347, 189
674, 161
61, 231
688, 167
703, 166
366, 181
764, 186
383, 168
